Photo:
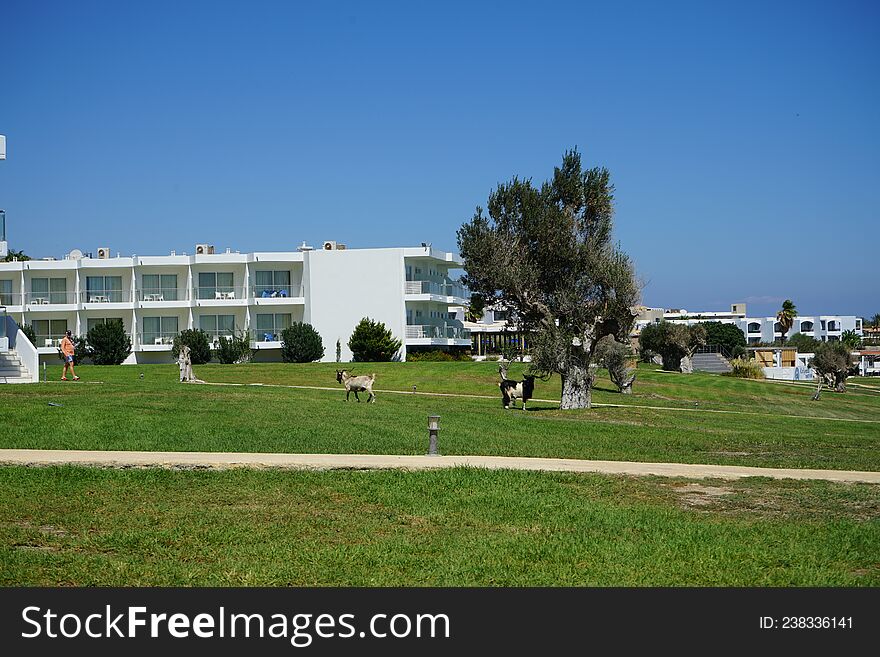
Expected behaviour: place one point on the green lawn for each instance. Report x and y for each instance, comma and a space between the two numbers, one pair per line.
157, 413
81, 526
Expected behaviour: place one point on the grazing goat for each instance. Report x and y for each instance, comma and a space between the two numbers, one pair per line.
356, 384
513, 390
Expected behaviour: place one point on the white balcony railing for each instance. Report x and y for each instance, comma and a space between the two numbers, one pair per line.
265, 335
276, 292
219, 293
49, 298
106, 296
156, 338
437, 331
162, 294
11, 298
441, 289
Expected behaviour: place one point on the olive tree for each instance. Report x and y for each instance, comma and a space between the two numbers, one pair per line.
833, 363
546, 254
676, 343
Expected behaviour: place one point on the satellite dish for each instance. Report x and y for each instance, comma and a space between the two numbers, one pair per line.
76, 254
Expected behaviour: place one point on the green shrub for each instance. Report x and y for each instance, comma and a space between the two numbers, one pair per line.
236, 349
373, 342
29, 331
728, 336
108, 343
437, 356
301, 343
744, 368
198, 342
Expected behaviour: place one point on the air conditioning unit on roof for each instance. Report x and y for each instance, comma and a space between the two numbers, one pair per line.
204, 249
103, 252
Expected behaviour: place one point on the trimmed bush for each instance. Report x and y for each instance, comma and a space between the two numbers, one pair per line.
199, 344
234, 350
437, 356
372, 342
744, 368
301, 343
107, 343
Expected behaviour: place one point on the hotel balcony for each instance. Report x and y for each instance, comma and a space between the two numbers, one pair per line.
153, 341
50, 301
437, 334
431, 291
156, 297
234, 295
277, 295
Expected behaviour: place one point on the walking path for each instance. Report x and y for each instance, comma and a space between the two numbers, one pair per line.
222, 460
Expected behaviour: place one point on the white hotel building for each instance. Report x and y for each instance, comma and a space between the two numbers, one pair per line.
824, 328
156, 297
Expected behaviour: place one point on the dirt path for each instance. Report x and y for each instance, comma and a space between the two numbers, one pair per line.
223, 460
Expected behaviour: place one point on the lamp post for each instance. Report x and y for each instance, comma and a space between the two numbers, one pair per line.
433, 430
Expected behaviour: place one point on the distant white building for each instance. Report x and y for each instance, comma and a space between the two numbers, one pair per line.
825, 328
331, 288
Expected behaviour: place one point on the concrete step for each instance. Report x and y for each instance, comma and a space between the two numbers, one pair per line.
714, 363
15, 379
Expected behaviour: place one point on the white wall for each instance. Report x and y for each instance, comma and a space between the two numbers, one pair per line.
343, 287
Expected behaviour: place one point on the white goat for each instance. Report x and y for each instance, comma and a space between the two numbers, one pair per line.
355, 384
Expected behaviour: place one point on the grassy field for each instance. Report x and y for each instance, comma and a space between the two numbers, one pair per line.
81, 526
718, 419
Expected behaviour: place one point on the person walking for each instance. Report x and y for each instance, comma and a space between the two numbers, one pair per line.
67, 351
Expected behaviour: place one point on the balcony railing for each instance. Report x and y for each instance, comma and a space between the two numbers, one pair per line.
106, 296
438, 331
441, 289
11, 298
48, 340
162, 294
50, 298
265, 335
219, 293
276, 292
156, 338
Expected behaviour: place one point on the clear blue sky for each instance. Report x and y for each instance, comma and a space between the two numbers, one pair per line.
743, 138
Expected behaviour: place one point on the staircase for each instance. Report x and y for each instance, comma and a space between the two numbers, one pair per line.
711, 362
12, 370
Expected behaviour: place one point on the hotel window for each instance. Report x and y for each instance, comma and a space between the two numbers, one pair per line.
217, 325
49, 330
51, 290
159, 330
269, 326
806, 326
99, 288
832, 326
213, 283
754, 327
6, 293
161, 287
272, 284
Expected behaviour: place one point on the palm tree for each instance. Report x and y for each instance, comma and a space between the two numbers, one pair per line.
785, 317
876, 321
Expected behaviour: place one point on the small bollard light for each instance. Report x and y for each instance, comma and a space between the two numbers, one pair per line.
433, 430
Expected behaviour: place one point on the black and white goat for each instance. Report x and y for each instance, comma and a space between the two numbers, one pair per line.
513, 390
356, 384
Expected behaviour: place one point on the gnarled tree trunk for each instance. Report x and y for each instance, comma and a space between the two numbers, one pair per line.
577, 384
